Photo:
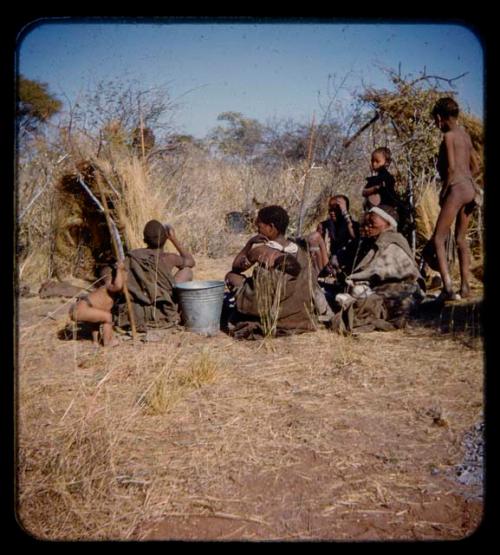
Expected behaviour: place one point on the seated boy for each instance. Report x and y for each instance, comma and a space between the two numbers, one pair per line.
152, 275
278, 295
96, 306
343, 235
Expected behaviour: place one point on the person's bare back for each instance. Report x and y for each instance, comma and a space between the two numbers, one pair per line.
96, 306
456, 166
457, 153
101, 299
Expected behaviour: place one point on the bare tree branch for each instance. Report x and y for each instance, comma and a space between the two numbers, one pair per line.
438, 77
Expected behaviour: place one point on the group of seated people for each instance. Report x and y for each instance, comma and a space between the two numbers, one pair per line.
344, 275
369, 278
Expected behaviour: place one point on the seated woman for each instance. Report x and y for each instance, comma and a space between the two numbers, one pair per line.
152, 275
386, 268
277, 299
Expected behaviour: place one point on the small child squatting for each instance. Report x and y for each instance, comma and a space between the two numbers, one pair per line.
95, 307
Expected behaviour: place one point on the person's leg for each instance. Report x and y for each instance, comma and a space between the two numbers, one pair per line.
95, 334
461, 226
234, 280
85, 313
449, 210
107, 335
186, 274
317, 248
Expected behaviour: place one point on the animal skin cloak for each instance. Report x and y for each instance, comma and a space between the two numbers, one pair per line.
278, 300
151, 287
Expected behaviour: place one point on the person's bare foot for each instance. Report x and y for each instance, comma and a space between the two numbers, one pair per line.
112, 343
448, 295
465, 291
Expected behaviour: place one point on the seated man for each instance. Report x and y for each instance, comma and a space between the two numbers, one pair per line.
277, 298
343, 236
386, 268
151, 279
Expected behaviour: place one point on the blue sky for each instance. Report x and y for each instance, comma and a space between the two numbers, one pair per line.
263, 70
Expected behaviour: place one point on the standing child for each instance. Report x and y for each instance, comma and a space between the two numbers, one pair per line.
455, 166
96, 306
380, 188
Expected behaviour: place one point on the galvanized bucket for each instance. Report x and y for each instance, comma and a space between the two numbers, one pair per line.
201, 305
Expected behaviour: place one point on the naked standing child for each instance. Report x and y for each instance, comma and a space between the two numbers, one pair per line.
456, 165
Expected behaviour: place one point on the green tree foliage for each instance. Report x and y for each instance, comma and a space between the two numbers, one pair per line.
35, 105
288, 141
240, 138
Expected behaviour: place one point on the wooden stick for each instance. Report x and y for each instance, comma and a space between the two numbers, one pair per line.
118, 253
348, 141
113, 230
141, 123
306, 181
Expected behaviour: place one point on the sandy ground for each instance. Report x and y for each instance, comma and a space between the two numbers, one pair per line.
313, 437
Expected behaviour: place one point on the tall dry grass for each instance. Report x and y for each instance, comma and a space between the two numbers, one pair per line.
426, 211
86, 466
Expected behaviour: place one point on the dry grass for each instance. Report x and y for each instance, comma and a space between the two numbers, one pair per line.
426, 211
307, 437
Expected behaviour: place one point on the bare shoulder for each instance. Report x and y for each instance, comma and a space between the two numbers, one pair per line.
449, 137
171, 259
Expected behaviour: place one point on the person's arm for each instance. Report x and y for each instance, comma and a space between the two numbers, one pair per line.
186, 258
450, 158
347, 217
288, 263
242, 261
115, 285
263, 255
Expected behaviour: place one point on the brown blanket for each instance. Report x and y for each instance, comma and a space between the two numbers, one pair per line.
151, 287
276, 303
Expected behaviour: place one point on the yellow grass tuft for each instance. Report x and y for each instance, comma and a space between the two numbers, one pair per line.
426, 211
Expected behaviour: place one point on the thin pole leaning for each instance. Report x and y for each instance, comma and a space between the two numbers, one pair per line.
306, 175
118, 250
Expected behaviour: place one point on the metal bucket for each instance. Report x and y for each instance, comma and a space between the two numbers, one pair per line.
201, 305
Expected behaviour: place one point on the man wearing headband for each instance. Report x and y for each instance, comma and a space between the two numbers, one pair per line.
388, 268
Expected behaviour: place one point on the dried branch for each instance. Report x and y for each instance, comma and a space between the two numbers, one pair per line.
438, 77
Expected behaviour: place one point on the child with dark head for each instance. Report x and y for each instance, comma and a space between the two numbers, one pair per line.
95, 307
155, 236
380, 188
456, 165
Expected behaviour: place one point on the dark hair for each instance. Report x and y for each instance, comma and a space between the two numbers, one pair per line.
445, 107
106, 271
154, 234
275, 215
386, 153
341, 196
